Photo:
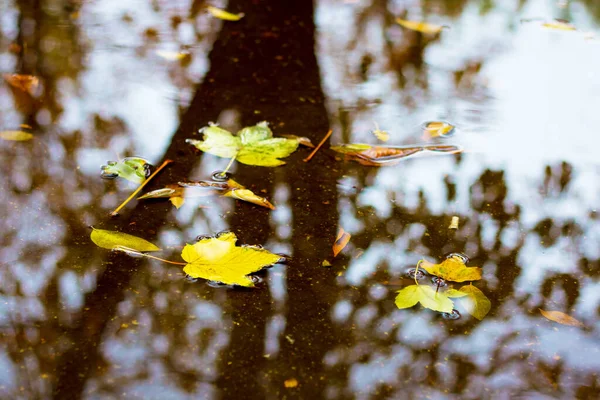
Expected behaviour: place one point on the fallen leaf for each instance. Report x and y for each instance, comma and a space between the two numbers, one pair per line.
26, 83
325, 263
18, 136
133, 169
222, 14
419, 26
249, 196
219, 259
561, 318
434, 129
454, 222
559, 26
341, 241
290, 383
113, 239
177, 201
252, 145
303, 140
381, 135
475, 302
424, 294
177, 194
378, 156
172, 55
452, 269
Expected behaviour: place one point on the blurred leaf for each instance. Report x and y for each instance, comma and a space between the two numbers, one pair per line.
341, 241
413, 294
134, 169
452, 269
304, 141
476, 303
381, 135
25, 83
16, 135
113, 239
559, 26
561, 318
177, 194
252, 145
177, 201
379, 156
422, 27
222, 14
219, 259
437, 129
172, 55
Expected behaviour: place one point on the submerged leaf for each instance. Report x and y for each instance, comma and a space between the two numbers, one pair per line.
341, 241
113, 239
219, 259
252, 145
423, 27
452, 269
413, 294
222, 14
18, 136
378, 156
561, 318
476, 303
134, 169
381, 135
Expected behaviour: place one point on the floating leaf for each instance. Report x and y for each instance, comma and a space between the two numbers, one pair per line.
172, 55
341, 241
559, 25
561, 318
452, 269
413, 294
252, 145
419, 26
26, 83
219, 259
177, 201
433, 129
381, 135
18, 136
475, 302
113, 239
134, 169
222, 14
378, 156
303, 140
177, 194
249, 196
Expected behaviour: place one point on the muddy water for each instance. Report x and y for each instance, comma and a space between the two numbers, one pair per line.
81, 322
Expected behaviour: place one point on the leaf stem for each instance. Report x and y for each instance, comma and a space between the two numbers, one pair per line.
163, 260
116, 211
417, 271
129, 251
222, 174
307, 159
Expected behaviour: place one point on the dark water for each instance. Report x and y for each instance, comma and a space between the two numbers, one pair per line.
78, 321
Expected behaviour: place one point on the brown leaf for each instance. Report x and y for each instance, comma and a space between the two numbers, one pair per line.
378, 156
26, 83
341, 241
561, 318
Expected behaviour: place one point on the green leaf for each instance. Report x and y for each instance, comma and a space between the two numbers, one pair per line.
452, 269
18, 136
131, 168
476, 303
413, 294
219, 259
253, 145
453, 293
113, 239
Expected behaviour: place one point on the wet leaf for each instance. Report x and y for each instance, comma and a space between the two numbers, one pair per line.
224, 15
341, 241
452, 269
219, 259
177, 194
413, 294
419, 26
561, 318
134, 169
25, 83
252, 145
559, 26
381, 135
177, 201
249, 196
434, 129
303, 140
113, 239
18, 136
475, 302
379, 156
172, 55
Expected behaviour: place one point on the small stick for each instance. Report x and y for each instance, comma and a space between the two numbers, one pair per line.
307, 159
223, 174
163, 260
116, 211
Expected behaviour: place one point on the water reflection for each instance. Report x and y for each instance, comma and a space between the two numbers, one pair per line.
79, 321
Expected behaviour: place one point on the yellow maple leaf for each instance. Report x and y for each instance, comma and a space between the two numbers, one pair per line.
219, 259
452, 269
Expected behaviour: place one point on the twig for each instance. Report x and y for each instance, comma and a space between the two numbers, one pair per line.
116, 211
307, 159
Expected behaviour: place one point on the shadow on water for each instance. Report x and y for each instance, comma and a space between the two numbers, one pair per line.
77, 321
